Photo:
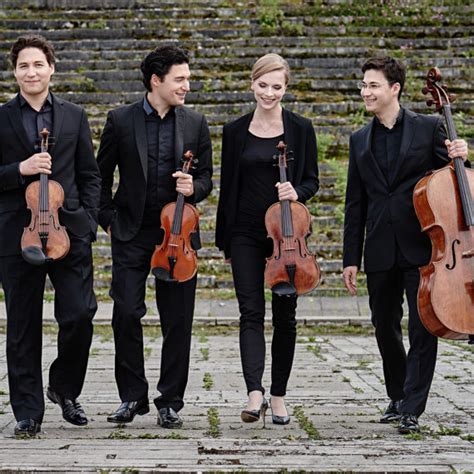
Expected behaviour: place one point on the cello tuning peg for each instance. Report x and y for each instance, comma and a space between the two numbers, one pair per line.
430, 102
425, 90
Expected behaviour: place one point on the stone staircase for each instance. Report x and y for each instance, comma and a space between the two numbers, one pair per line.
100, 45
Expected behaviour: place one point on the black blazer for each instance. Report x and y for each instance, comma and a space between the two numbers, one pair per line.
74, 167
124, 144
384, 211
302, 172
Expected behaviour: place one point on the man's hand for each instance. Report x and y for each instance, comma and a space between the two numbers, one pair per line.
184, 183
349, 276
457, 149
286, 191
38, 163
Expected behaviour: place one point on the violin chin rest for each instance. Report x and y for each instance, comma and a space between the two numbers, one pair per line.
162, 274
34, 255
284, 289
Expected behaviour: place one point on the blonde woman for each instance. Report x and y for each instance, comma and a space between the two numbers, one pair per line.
249, 185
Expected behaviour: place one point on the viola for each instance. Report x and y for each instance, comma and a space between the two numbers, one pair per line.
175, 259
444, 206
44, 240
291, 270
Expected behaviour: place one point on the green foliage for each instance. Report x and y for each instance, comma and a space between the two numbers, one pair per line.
207, 382
306, 424
214, 423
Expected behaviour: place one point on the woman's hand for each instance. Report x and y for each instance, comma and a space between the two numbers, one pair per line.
286, 191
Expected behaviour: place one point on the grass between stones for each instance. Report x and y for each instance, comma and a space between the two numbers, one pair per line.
306, 424
214, 423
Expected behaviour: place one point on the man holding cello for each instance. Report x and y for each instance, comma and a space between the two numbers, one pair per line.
387, 158
71, 164
146, 141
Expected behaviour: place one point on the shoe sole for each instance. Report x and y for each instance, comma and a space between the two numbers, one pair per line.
170, 425
248, 418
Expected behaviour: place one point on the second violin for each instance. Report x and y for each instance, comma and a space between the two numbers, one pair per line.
292, 269
175, 259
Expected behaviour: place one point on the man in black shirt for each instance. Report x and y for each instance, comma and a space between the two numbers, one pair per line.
387, 158
146, 141
70, 162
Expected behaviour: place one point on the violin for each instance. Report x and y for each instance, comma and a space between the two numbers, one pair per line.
444, 206
44, 240
291, 270
175, 260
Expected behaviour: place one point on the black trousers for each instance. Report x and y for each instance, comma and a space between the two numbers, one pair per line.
407, 377
74, 307
175, 302
248, 266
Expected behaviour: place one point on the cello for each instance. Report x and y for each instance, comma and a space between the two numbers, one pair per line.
291, 270
444, 206
175, 260
44, 240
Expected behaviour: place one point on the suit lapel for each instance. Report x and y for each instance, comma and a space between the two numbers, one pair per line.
14, 115
409, 128
140, 137
58, 119
179, 130
368, 156
239, 140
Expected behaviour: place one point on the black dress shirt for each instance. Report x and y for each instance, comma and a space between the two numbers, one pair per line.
35, 120
386, 145
161, 186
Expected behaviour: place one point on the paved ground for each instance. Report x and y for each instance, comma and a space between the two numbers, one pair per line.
335, 398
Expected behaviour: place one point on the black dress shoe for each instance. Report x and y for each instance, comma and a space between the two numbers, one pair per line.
72, 410
126, 412
250, 416
392, 413
408, 424
168, 418
27, 427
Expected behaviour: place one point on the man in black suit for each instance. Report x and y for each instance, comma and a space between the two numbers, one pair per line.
387, 158
146, 141
70, 162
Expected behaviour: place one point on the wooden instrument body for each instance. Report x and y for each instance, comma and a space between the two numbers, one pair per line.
44, 239
291, 251
446, 307
177, 247
58, 243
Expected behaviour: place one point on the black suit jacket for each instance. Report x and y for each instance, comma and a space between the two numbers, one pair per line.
124, 145
383, 212
73, 166
302, 171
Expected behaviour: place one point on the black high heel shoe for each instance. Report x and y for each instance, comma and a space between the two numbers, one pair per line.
251, 416
279, 420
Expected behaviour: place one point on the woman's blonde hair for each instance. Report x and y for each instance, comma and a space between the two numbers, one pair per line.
269, 63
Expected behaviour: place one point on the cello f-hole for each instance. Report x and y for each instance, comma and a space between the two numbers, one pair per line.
453, 251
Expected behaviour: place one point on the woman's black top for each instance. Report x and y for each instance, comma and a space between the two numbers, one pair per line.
258, 176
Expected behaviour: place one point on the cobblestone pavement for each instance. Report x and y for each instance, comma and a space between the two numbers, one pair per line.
335, 398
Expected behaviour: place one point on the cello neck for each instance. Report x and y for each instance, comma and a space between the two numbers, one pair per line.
460, 170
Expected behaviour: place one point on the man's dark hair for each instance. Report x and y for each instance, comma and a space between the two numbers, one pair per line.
160, 61
32, 41
393, 70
